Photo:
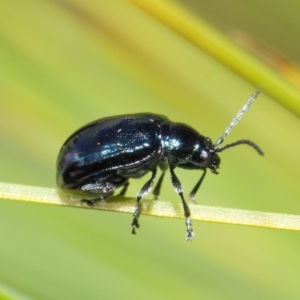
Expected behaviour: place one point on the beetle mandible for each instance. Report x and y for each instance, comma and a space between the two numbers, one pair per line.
103, 155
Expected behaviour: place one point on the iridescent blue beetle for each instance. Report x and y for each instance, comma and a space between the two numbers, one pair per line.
103, 155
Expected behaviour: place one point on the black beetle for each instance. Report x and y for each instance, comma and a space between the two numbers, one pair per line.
103, 155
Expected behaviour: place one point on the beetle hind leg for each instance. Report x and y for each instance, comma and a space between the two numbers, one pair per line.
91, 202
163, 165
103, 189
124, 189
143, 192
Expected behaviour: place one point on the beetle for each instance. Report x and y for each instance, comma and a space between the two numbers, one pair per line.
103, 155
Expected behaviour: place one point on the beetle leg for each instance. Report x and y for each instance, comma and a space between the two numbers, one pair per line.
124, 189
163, 165
104, 188
91, 202
101, 187
196, 188
143, 192
156, 189
177, 185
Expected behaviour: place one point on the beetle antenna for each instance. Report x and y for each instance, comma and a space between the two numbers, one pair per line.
240, 142
237, 118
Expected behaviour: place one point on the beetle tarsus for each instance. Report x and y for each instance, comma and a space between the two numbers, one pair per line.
87, 202
91, 202
190, 233
189, 236
135, 222
192, 200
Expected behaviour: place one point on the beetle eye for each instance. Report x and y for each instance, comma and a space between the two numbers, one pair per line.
204, 155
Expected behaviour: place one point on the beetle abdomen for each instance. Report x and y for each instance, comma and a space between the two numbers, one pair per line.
126, 148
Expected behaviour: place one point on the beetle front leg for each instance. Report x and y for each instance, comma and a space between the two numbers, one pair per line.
196, 187
143, 192
177, 185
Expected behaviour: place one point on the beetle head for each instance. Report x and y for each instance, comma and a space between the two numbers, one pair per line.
208, 157
214, 163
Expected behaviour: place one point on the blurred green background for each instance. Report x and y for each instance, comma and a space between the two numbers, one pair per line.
66, 63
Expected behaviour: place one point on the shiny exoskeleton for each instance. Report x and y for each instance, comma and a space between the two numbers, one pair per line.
103, 155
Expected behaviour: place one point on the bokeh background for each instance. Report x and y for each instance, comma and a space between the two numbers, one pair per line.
64, 63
